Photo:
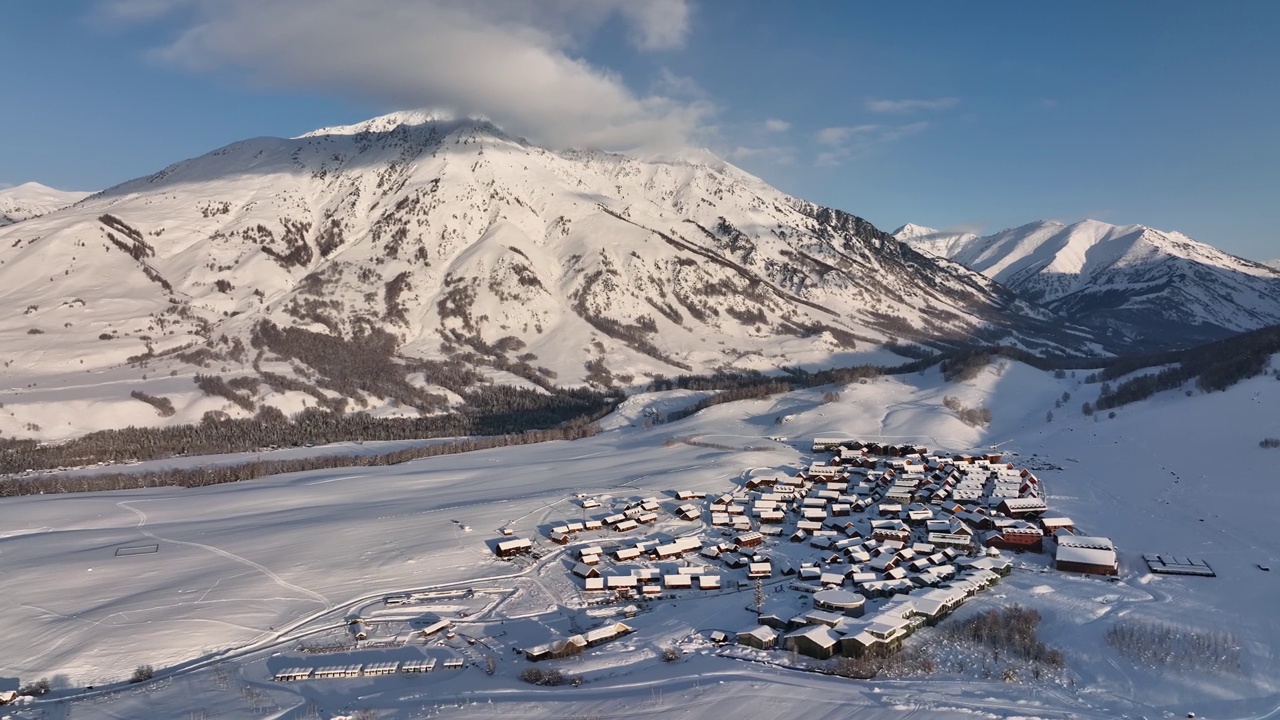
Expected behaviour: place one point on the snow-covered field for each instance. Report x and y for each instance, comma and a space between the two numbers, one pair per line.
243, 573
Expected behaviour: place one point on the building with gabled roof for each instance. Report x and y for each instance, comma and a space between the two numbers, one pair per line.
1091, 555
760, 637
816, 641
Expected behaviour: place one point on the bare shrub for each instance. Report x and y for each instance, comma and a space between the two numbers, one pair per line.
975, 417
670, 653
1270, 443
142, 673
1011, 631
550, 678
1167, 645
35, 689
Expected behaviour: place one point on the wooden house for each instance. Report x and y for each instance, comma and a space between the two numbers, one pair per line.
513, 547
816, 641
760, 637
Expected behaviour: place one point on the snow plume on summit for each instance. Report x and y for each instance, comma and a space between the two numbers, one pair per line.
512, 62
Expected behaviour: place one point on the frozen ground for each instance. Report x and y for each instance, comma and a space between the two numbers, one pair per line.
244, 573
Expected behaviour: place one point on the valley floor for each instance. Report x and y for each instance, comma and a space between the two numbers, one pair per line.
242, 574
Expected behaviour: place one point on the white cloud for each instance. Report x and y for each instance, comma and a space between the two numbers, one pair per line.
898, 133
841, 135
775, 155
512, 62
657, 24
849, 142
830, 159
777, 126
908, 106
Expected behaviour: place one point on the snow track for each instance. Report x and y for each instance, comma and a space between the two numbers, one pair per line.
142, 520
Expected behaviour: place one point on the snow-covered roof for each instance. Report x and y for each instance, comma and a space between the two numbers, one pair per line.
1086, 550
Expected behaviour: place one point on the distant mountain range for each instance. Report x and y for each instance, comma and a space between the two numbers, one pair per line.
462, 245
1154, 287
31, 200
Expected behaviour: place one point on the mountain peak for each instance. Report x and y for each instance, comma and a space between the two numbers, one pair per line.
545, 267
911, 230
1127, 277
432, 120
31, 199
384, 123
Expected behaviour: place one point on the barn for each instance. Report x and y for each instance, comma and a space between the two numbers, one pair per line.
1092, 555
511, 548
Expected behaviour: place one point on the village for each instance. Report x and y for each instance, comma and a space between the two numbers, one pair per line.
846, 556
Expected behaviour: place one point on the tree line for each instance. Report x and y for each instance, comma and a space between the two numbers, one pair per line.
201, 476
1216, 366
497, 411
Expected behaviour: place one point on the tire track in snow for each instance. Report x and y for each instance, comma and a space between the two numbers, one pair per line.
142, 520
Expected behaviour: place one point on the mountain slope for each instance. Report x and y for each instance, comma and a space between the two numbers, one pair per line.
1157, 287
33, 199
467, 246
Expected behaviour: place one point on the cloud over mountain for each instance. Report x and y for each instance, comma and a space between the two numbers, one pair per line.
513, 63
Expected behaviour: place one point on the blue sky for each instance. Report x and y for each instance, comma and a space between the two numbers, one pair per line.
981, 116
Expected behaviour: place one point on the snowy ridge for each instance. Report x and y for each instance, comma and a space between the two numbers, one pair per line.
1149, 284
458, 239
32, 199
943, 243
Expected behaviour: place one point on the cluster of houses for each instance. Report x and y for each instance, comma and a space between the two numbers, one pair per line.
913, 532
838, 623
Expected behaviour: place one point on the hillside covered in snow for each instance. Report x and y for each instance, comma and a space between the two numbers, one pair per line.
32, 199
1155, 287
450, 242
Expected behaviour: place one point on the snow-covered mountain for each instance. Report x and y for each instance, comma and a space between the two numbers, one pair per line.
463, 243
1154, 286
1273, 264
943, 243
32, 199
